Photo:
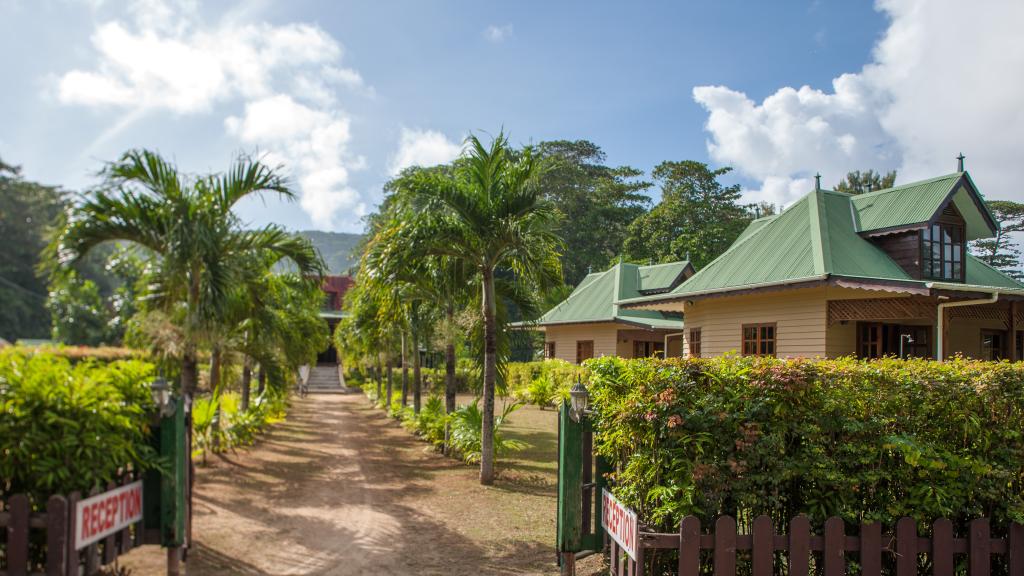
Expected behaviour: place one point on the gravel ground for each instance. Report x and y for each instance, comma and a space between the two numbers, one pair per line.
339, 488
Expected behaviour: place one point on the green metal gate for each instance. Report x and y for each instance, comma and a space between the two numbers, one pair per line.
581, 476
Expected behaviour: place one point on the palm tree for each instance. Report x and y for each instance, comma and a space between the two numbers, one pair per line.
400, 255
494, 217
274, 318
188, 227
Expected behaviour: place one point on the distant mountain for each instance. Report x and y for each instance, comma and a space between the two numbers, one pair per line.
337, 248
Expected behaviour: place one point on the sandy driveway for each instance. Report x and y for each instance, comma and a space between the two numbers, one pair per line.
340, 489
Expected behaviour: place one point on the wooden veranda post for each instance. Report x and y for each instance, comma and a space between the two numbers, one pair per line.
1013, 331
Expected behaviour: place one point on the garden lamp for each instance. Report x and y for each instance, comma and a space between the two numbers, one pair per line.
909, 339
304, 373
578, 398
161, 392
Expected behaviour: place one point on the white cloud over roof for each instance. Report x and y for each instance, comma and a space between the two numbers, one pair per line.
944, 79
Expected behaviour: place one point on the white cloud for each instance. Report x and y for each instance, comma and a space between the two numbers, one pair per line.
498, 34
285, 77
313, 144
423, 148
927, 95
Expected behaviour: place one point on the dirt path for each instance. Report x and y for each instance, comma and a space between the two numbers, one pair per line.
340, 489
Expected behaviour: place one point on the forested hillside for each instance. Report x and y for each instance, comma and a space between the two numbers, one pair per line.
337, 248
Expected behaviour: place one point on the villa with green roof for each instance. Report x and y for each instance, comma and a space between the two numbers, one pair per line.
835, 274
589, 323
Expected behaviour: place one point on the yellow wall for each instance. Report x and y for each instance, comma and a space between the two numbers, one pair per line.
965, 335
609, 339
799, 316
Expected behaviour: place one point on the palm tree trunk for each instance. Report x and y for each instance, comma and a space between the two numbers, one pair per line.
377, 374
417, 381
449, 377
449, 366
215, 358
262, 379
246, 381
391, 362
490, 378
405, 374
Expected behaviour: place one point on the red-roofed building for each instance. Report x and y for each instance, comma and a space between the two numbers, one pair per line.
334, 288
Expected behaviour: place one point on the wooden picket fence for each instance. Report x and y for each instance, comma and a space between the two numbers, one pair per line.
20, 524
828, 554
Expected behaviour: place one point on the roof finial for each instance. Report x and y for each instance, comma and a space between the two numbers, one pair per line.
687, 255
590, 269
960, 162
817, 182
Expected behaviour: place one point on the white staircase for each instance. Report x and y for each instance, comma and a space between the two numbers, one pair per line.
324, 380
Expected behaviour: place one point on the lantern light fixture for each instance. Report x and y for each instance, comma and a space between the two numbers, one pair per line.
161, 393
578, 399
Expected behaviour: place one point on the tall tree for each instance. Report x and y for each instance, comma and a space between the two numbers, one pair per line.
495, 217
92, 303
27, 209
858, 182
1002, 252
401, 254
696, 219
197, 244
188, 225
598, 200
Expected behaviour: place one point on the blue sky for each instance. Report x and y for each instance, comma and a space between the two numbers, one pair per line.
345, 93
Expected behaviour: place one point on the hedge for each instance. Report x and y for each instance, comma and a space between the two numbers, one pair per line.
544, 383
66, 427
83, 353
863, 440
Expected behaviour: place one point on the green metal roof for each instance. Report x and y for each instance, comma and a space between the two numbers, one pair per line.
594, 300
754, 226
918, 202
661, 276
817, 236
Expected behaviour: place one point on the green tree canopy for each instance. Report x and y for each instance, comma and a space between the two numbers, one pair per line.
492, 216
858, 182
1002, 252
197, 245
696, 219
27, 210
598, 201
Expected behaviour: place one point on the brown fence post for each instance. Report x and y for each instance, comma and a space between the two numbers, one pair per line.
725, 546
1015, 550
799, 545
942, 547
109, 543
689, 546
71, 559
763, 546
979, 556
92, 560
871, 549
906, 547
17, 536
56, 535
835, 547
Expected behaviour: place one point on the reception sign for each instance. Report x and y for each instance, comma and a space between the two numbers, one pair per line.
620, 523
104, 514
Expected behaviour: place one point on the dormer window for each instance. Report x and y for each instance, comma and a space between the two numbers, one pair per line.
942, 252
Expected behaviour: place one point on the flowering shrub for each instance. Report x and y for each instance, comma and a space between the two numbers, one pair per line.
864, 440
